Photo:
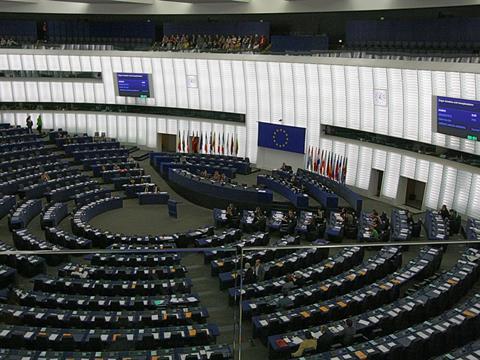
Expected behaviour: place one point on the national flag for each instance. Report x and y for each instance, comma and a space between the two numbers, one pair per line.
223, 143
212, 149
314, 159
219, 145
188, 141
183, 141
307, 166
200, 146
344, 173
337, 169
236, 145
179, 141
318, 160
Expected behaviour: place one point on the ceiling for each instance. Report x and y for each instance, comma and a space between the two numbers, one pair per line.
178, 7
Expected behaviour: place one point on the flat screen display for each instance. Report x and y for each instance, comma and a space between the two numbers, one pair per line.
457, 117
134, 85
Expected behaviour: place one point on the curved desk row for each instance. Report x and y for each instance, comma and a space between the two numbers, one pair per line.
207, 191
283, 187
354, 199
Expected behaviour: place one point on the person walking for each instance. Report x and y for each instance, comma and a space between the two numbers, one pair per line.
30, 124
39, 124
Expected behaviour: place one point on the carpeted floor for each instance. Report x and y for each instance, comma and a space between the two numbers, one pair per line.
153, 219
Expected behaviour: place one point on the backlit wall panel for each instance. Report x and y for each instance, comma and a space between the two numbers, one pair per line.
306, 92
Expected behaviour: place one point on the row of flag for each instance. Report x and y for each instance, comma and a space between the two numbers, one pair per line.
207, 143
327, 163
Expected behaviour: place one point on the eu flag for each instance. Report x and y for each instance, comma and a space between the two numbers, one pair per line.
281, 137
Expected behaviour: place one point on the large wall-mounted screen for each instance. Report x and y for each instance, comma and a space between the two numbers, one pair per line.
457, 117
133, 85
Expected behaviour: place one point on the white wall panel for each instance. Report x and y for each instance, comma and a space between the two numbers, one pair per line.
158, 83
75, 64
47, 120
45, 91
352, 80
31, 91
425, 106
410, 103
132, 129
6, 93
275, 90
91, 124
59, 121
252, 109
86, 64
122, 128
169, 78
99, 93
193, 96
263, 92
300, 90
313, 114
18, 88
141, 130
151, 132
367, 111
204, 85
79, 95
96, 63
181, 83
112, 126
126, 64
474, 200
380, 82
64, 63
57, 91
364, 169
339, 96
352, 153
391, 176
395, 102
462, 191
68, 94
40, 62
4, 62
15, 62
108, 80
28, 62
408, 167
379, 159
468, 91
432, 190
447, 189
326, 94
89, 93
239, 87
453, 90
215, 85
102, 123
438, 89
53, 63
421, 171
288, 94
227, 86
71, 123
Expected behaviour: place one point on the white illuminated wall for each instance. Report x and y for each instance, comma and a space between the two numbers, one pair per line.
302, 91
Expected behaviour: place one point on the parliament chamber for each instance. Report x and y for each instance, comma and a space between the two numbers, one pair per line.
239, 179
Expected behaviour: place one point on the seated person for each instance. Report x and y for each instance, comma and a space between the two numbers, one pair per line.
248, 274
309, 343
325, 339
204, 174
232, 215
291, 221
116, 167
349, 218
79, 272
44, 177
260, 220
343, 213
216, 176
444, 212
348, 333
374, 234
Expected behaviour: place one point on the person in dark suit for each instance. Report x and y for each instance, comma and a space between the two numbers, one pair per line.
259, 270
248, 274
444, 212
348, 333
325, 339
260, 220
